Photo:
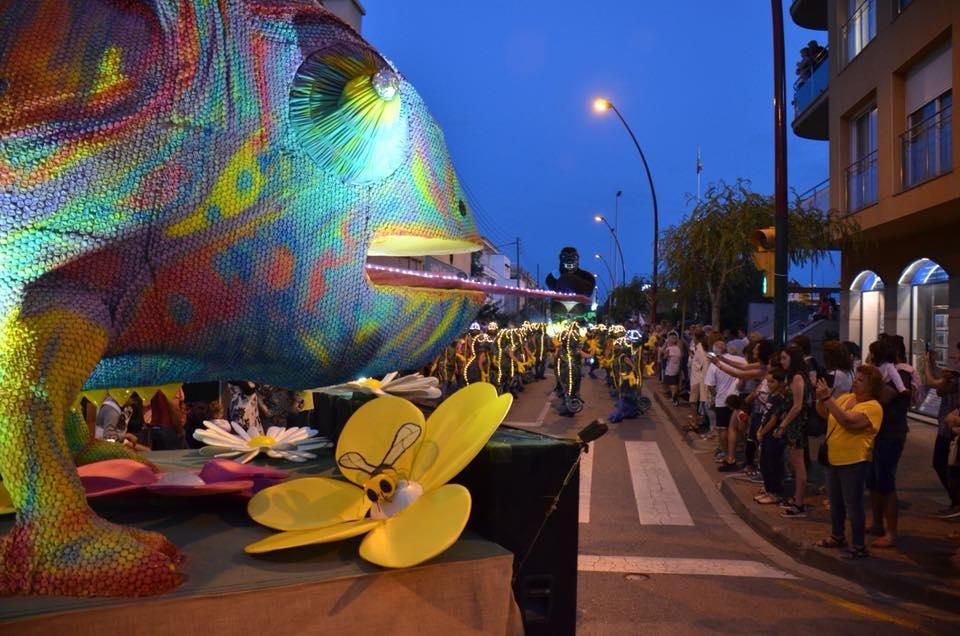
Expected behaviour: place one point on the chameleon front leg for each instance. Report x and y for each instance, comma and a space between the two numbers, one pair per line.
58, 545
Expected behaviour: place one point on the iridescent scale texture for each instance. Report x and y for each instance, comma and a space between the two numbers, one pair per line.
168, 215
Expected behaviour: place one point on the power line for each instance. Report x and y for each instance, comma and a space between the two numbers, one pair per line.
484, 220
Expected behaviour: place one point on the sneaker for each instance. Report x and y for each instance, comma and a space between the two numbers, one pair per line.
718, 452
767, 499
794, 512
756, 478
787, 503
949, 513
727, 467
720, 459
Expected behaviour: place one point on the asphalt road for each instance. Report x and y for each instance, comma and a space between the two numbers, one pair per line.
661, 552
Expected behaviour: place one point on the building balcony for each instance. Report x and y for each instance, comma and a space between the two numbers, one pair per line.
810, 14
817, 197
927, 149
811, 114
861, 181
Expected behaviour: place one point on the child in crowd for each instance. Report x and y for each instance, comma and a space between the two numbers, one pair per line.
772, 447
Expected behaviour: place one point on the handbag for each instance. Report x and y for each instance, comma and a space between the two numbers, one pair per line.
823, 455
816, 424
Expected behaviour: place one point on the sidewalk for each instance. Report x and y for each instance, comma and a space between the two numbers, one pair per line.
919, 569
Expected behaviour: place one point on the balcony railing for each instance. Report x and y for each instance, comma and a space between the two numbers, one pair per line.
859, 29
431, 264
817, 197
808, 88
927, 149
861, 178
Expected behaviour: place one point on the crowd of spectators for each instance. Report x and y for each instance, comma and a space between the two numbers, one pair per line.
744, 394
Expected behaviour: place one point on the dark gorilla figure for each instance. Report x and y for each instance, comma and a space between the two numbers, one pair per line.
572, 280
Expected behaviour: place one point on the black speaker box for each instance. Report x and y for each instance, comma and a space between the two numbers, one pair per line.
513, 483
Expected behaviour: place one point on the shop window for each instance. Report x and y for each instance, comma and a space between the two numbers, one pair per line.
927, 286
866, 308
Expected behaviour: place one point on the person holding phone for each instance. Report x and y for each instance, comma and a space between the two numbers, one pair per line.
946, 382
853, 421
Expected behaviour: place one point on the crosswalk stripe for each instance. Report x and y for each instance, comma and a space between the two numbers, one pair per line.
543, 413
586, 480
661, 565
658, 499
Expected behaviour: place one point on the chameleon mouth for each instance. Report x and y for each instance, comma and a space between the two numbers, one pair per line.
386, 274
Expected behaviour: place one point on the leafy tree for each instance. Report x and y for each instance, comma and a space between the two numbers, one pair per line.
710, 249
625, 301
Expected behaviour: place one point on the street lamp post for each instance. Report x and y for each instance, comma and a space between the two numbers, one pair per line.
599, 218
600, 105
613, 279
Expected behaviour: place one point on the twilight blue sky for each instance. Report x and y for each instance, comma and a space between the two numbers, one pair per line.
512, 83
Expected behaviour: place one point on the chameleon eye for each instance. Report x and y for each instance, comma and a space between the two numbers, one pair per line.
345, 109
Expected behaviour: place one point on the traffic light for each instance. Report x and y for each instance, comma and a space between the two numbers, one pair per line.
764, 241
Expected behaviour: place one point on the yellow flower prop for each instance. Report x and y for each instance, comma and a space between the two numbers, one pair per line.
397, 467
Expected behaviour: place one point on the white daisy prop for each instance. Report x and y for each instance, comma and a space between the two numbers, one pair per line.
413, 387
291, 444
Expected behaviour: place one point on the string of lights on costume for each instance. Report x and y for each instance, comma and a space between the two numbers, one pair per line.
568, 368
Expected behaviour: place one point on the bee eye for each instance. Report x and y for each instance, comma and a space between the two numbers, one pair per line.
385, 485
372, 495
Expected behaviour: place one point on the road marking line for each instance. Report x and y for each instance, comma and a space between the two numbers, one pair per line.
658, 499
763, 548
586, 480
856, 608
543, 413
694, 567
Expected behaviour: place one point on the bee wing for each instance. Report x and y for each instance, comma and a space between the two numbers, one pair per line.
404, 438
355, 461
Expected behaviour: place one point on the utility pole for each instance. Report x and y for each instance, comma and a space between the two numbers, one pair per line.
616, 229
518, 277
780, 179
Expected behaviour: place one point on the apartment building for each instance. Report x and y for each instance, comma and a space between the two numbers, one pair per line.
881, 93
350, 11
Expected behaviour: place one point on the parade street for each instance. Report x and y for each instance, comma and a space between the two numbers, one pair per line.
661, 551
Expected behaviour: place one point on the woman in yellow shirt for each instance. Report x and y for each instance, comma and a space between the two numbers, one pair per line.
853, 420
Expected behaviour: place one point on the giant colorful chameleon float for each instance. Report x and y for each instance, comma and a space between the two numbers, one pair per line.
189, 190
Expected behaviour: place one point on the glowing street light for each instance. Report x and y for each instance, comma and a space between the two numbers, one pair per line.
602, 105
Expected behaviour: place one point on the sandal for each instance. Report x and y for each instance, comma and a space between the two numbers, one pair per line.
856, 552
831, 542
884, 542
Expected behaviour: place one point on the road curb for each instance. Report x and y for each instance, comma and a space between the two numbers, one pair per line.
898, 583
